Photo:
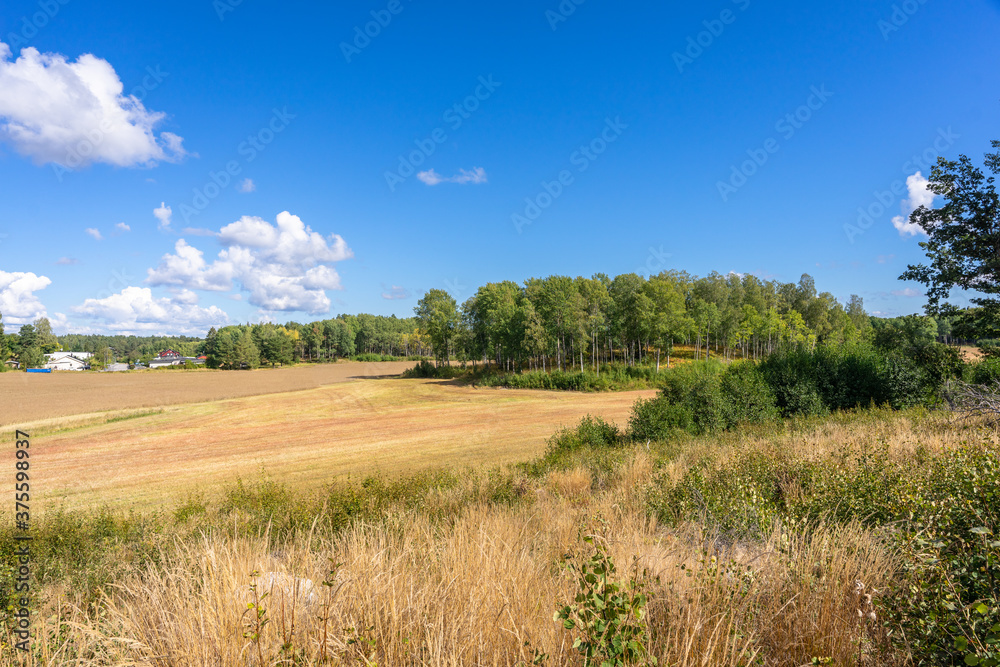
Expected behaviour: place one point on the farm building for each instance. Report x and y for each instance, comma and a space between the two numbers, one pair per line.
67, 361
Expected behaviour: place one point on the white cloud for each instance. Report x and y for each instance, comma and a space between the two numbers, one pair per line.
247, 186
476, 176
75, 113
919, 196
397, 293
430, 177
283, 267
122, 227
18, 303
187, 268
163, 215
96, 233
135, 309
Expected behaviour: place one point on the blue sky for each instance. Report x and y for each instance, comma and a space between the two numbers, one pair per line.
310, 169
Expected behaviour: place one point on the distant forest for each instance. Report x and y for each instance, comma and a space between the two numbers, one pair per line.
554, 322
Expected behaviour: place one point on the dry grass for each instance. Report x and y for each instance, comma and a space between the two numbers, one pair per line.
304, 439
481, 590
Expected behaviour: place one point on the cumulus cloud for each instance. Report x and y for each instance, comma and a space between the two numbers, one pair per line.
122, 227
282, 267
74, 114
397, 293
163, 215
18, 302
135, 309
187, 268
96, 233
247, 186
919, 196
476, 176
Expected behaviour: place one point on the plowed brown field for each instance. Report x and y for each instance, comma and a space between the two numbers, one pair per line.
26, 397
302, 438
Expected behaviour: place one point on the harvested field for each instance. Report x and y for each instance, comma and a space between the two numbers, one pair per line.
304, 438
28, 397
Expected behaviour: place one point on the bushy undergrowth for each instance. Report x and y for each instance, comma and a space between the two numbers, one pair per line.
428, 370
369, 357
611, 377
941, 514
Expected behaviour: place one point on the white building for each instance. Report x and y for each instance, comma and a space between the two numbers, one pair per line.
68, 361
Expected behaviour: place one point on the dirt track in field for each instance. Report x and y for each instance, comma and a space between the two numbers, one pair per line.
30, 397
304, 439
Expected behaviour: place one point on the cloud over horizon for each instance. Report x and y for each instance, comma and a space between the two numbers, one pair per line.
283, 267
75, 114
135, 309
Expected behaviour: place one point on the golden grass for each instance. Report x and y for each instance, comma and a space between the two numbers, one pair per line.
481, 589
304, 439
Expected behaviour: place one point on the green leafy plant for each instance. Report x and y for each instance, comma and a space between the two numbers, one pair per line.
609, 615
257, 621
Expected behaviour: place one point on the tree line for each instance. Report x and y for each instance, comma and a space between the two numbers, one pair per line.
560, 322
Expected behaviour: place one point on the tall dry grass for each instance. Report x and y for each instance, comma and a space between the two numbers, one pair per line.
480, 586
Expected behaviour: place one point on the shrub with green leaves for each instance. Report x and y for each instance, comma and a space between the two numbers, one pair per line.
748, 398
608, 615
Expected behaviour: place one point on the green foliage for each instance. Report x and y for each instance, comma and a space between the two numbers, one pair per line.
748, 397
608, 615
590, 433
942, 517
985, 372
704, 397
656, 419
846, 377
439, 320
949, 601
425, 369
962, 233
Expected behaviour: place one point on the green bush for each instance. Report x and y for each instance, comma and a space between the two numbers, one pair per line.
590, 433
852, 376
986, 371
748, 398
655, 419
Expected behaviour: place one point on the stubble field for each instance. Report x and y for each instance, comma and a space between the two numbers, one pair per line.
157, 453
